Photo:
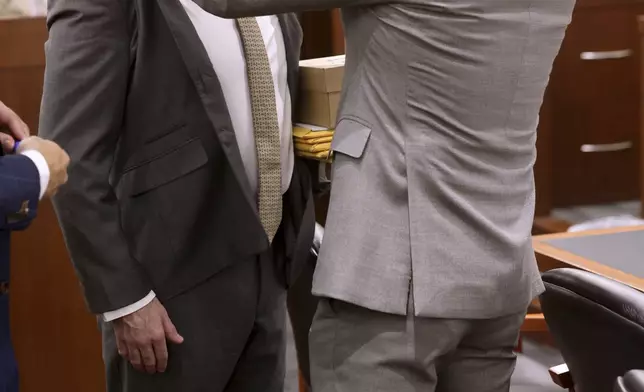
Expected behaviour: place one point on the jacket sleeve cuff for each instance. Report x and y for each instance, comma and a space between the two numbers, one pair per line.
125, 311
43, 169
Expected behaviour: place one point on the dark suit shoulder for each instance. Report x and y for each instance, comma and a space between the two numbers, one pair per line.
293, 27
19, 192
114, 10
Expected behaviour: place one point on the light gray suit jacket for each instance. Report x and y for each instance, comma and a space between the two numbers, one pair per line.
433, 185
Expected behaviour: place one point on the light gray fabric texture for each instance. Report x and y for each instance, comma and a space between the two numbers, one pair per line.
356, 349
433, 181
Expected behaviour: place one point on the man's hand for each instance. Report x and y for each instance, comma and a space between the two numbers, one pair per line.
141, 337
12, 128
56, 158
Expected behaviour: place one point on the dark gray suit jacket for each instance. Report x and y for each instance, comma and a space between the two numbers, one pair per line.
157, 196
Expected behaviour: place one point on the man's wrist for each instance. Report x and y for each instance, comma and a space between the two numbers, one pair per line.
135, 307
43, 169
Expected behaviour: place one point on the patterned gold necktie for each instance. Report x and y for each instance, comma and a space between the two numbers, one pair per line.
266, 125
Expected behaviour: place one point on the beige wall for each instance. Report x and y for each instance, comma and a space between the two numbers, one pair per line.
24, 8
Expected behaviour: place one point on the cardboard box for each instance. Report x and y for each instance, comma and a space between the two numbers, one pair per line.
320, 89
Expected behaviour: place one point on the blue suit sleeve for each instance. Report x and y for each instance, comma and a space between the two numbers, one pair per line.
19, 192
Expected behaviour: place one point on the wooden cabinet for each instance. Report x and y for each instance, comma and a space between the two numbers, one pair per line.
323, 34
594, 102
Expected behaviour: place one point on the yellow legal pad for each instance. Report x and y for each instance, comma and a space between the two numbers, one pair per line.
317, 140
318, 156
315, 148
313, 142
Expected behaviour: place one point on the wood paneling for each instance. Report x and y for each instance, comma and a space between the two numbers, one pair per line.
56, 340
22, 61
323, 34
606, 3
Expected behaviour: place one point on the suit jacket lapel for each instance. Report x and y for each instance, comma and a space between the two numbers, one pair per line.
207, 84
292, 33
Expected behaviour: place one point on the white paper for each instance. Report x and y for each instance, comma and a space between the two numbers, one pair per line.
609, 222
313, 128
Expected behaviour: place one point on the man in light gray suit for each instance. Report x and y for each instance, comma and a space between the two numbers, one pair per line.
427, 267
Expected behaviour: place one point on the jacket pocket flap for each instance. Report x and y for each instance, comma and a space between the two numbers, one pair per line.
164, 168
350, 138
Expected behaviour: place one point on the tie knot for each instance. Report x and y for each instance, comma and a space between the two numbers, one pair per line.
248, 24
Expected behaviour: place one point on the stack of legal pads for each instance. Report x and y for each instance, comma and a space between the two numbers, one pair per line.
313, 142
319, 97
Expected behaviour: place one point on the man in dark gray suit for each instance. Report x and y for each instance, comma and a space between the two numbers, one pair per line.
427, 265
186, 213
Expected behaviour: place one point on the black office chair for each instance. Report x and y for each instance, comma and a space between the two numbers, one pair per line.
302, 306
633, 381
597, 323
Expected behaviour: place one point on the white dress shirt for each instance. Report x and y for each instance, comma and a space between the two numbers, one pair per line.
224, 47
43, 169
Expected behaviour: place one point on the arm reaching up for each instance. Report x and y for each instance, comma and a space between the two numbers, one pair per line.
241, 8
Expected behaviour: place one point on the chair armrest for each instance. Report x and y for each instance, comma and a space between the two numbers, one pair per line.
561, 376
633, 381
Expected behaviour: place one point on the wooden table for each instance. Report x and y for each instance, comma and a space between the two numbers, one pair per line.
613, 253
617, 254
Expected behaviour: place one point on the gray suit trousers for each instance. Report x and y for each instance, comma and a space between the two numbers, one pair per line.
354, 349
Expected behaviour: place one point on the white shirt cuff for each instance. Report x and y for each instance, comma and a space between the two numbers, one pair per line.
43, 169
135, 307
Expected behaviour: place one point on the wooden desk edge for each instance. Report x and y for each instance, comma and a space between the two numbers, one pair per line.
550, 257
